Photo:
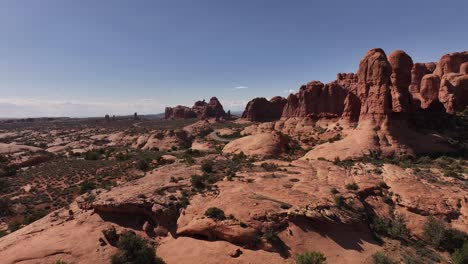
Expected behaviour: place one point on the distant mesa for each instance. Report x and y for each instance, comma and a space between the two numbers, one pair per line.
200, 110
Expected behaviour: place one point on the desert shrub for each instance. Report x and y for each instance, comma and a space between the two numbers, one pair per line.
383, 185
87, 186
347, 163
453, 240
339, 201
438, 236
122, 156
380, 258
313, 257
200, 183
5, 207
271, 236
269, 166
207, 166
460, 256
243, 225
143, 165
394, 228
3, 186
335, 138
334, 190
13, 226
8, 171
135, 250
31, 217
92, 155
215, 213
352, 186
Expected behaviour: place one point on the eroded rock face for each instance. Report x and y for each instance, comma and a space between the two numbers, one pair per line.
261, 110
417, 73
374, 83
453, 93
451, 63
201, 109
429, 90
316, 99
401, 79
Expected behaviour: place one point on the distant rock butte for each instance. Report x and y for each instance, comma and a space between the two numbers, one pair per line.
201, 110
383, 85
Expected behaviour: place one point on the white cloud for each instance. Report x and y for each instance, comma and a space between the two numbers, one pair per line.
240, 88
290, 91
32, 107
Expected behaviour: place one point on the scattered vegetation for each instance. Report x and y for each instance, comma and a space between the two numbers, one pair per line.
394, 228
313, 257
380, 258
437, 235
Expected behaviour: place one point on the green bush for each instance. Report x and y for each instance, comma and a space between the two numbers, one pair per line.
438, 236
380, 258
215, 213
13, 226
200, 183
271, 236
92, 155
143, 165
460, 256
135, 250
3, 186
339, 201
87, 186
207, 166
311, 258
29, 218
352, 186
394, 228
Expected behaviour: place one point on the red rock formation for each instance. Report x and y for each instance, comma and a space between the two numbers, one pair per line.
453, 92
179, 112
201, 109
429, 90
401, 79
417, 73
261, 110
381, 86
450, 63
374, 83
316, 99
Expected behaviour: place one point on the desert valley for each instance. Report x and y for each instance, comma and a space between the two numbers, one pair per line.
369, 168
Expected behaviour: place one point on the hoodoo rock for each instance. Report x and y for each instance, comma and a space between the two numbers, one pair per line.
374, 83
401, 79
450, 63
201, 110
429, 90
418, 71
261, 110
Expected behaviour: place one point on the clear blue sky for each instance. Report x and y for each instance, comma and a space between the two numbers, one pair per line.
89, 57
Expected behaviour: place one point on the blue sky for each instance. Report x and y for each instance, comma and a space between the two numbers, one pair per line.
89, 58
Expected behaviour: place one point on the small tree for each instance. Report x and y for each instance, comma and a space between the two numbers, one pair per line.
207, 166
460, 256
134, 249
215, 213
313, 257
381, 258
